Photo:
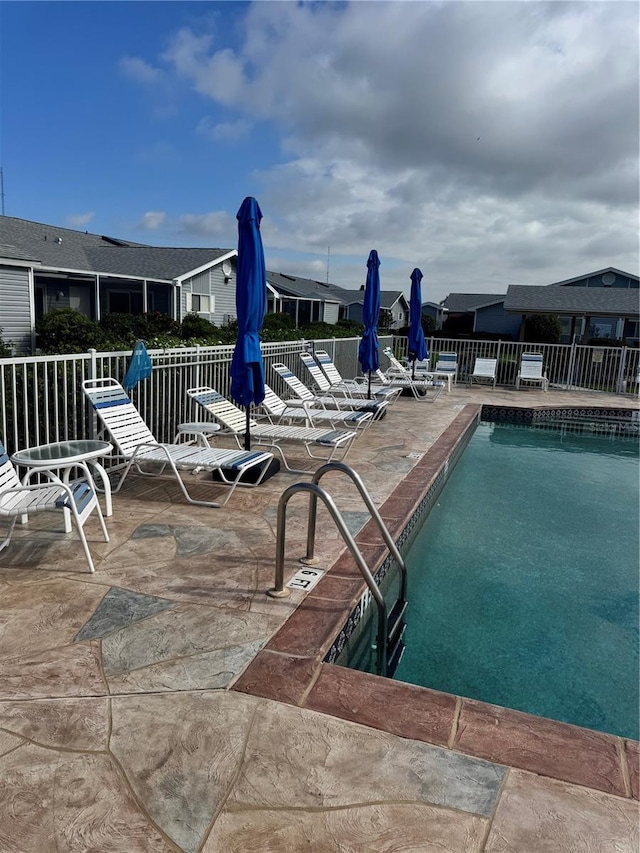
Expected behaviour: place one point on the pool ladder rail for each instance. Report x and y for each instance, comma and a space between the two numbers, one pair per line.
391, 625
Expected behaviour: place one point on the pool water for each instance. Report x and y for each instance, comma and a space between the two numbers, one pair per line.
524, 579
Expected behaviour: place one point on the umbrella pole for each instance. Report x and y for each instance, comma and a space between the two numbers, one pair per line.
247, 432
369, 387
413, 369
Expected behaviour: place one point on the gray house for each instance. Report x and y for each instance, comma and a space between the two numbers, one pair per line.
305, 300
393, 301
43, 267
601, 304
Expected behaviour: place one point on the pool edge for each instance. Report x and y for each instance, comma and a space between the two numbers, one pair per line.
292, 668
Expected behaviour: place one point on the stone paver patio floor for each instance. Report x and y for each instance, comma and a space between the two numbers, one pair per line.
133, 716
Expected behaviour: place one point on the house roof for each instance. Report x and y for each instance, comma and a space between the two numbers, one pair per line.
295, 286
602, 301
66, 249
388, 298
461, 303
594, 275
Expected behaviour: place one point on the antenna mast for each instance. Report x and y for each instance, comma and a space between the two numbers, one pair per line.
328, 256
2, 188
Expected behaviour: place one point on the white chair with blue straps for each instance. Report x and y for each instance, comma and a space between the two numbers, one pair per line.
76, 500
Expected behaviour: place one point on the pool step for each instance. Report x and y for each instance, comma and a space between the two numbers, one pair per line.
396, 627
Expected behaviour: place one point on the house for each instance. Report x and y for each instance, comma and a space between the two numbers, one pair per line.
43, 267
438, 313
601, 304
393, 301
305, 300
478, 312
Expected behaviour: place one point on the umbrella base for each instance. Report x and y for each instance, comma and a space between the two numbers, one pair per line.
251, 475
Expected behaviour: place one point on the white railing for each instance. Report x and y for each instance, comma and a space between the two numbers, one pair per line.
569, 367
41, 397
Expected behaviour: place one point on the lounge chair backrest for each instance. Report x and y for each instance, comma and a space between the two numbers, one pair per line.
8, 475
317, 375
298, 387
227, 413
118, 414
274, 404
330, 370
397, 365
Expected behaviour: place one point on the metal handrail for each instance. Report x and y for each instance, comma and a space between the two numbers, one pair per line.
355, 477
315, 491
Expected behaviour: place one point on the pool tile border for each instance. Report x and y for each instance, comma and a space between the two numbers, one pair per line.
296, 665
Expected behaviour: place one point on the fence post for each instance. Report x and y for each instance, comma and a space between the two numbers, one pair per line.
93, 364
93, 374
498, 359
622, 369
572, 362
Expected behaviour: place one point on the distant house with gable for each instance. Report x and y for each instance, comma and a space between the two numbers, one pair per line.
43, 267
602, 304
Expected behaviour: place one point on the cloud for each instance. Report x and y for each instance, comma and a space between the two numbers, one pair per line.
137, 69
77, 220
218, 225
152, 220
230, 131
491, 143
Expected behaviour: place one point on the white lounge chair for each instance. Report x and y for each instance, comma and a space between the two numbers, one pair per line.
484, 370
19, 499
136, 444
326, 399
531, 370
422, 389
234, 422
357, 389
279, 411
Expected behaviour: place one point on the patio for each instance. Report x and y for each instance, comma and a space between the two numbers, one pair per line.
162, 703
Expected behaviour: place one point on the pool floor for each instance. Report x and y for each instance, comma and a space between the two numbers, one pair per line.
524, 579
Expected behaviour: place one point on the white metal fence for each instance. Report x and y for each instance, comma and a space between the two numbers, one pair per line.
42, 400
568, 366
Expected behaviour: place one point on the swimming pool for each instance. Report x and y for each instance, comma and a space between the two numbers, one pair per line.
524, 577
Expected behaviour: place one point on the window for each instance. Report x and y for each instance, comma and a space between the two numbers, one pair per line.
198, 303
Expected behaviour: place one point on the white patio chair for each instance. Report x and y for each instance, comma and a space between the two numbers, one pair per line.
531, 371
484, 370
19, 499
447, 365
326, 399
136, 444
234, 422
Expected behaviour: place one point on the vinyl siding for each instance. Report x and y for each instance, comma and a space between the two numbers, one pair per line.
222, 294
15, 308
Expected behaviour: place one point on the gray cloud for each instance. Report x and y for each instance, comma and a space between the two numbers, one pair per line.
487, 142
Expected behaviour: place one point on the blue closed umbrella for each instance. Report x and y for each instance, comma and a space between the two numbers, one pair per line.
246, 371
368, 349
140, 367
417, 343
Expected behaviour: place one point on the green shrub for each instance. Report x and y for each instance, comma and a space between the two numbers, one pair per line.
542, 329
65, 330
6, 350
194, 326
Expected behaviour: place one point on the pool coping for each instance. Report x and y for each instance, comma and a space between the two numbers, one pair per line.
293, 668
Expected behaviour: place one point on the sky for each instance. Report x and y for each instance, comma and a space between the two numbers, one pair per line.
486, 143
